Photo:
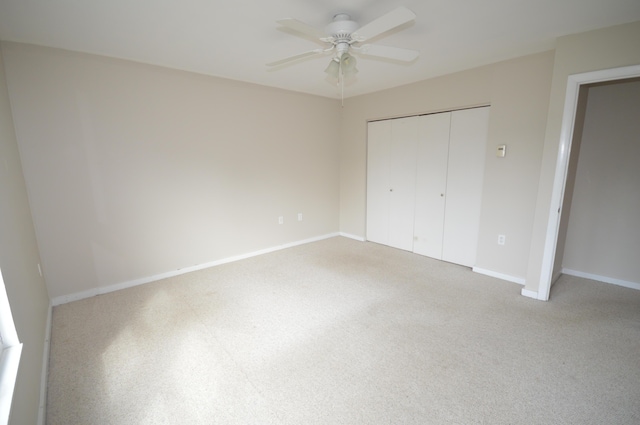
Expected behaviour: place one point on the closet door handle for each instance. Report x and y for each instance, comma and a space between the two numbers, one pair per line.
442, 195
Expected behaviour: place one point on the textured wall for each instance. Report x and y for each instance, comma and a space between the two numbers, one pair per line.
19, 260
135, 170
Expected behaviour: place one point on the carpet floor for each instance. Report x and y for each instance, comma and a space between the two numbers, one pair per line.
346, 332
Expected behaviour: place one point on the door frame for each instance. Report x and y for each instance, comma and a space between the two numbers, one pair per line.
574, 82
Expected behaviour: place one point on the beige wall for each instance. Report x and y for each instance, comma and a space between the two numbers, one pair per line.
518, 92
591, 51
19, 264
603, 236
135, 170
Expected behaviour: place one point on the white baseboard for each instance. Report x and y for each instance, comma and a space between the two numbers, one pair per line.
76, 296
350, 236
605, 279
63, 299
42, 408
518, 280
529, 293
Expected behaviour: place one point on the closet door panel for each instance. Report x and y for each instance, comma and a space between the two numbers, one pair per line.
467, 147
378, 181
431, 183
402, 181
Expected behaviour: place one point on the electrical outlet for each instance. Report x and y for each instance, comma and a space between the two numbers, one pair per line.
299, 216
281, 220
501, 239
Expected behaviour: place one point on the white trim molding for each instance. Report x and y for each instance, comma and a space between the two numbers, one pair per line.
354, 237
518, 280
562, 164
10, 351
42, 408
63, 299
605, 279
529, 294
9, 362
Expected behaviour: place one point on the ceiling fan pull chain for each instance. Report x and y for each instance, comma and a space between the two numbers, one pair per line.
341, 77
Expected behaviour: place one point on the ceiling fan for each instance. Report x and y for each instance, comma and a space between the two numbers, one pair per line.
344, 37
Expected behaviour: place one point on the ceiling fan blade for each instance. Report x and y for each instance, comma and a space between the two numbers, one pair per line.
395, 53
393, 19
301, 27
296, 57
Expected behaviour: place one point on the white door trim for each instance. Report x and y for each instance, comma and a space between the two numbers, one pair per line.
10, 351
562, 165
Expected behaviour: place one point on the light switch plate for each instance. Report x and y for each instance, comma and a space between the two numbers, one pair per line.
502, 151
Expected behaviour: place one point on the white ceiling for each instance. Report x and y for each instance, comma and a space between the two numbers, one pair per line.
236, 38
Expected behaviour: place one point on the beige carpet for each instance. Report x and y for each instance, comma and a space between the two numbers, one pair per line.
345, 332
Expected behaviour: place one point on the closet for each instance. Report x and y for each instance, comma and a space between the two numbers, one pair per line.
424, 183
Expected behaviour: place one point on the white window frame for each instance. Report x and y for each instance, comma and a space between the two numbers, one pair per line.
10, 351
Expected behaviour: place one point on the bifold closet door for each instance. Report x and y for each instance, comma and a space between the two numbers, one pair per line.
424, 183
391, 181
378, 195
465, 173
431, 184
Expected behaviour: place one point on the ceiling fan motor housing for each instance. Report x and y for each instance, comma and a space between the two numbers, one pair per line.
341, 29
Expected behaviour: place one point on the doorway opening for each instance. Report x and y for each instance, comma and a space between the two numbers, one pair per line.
571, 127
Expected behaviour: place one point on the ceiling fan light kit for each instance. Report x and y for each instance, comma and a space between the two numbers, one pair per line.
344, 38
344, 66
